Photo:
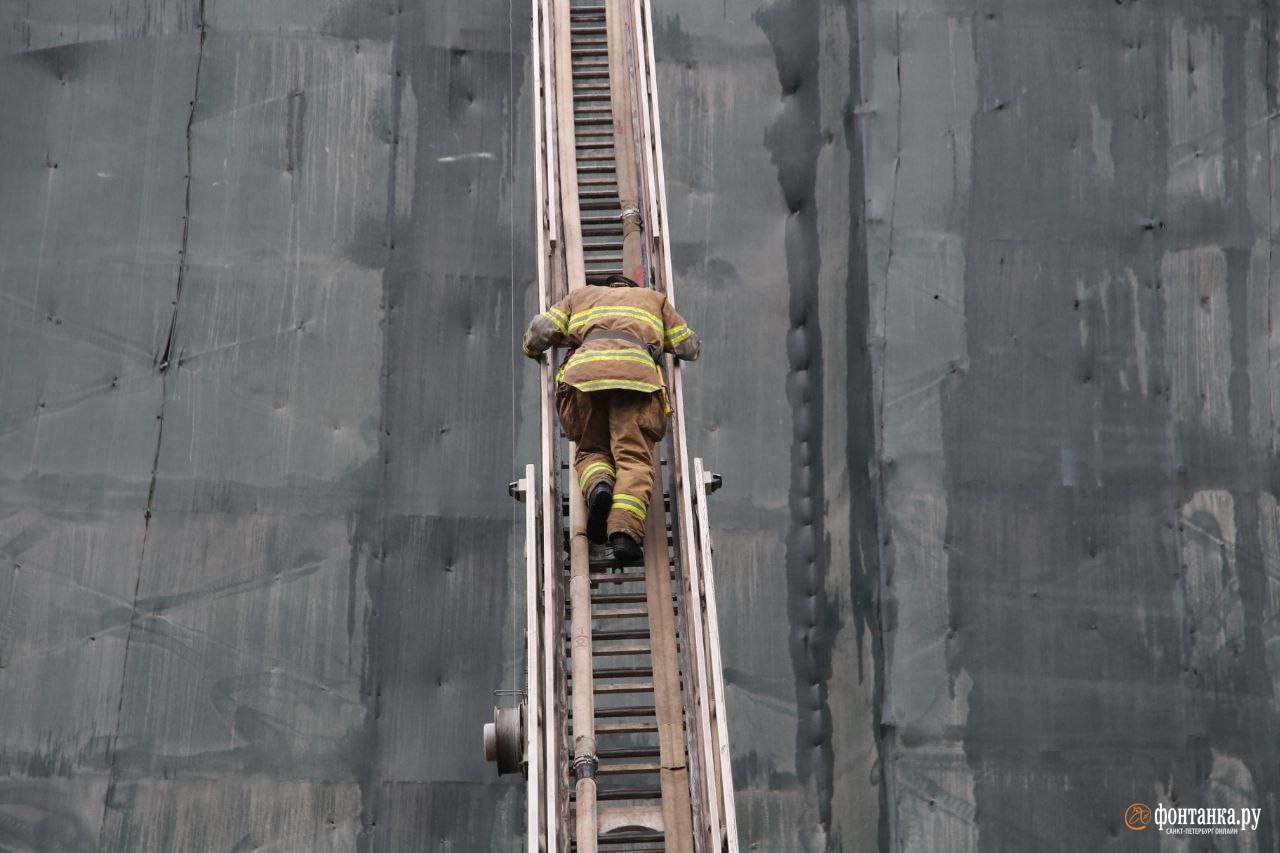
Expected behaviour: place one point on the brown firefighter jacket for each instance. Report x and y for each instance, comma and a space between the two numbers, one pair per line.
617, 334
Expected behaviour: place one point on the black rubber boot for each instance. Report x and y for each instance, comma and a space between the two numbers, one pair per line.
598, 503
625, 548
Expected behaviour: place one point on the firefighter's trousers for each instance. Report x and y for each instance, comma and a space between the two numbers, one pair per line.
615, 431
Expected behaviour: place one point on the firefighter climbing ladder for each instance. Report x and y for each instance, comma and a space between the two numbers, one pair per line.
621, 731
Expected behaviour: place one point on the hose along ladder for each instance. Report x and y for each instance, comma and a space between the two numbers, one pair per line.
621, 730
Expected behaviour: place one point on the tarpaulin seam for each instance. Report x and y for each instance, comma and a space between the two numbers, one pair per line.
163, 365
883, 736
886, 733
376, 528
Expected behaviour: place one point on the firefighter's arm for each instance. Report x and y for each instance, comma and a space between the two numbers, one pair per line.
548, 329
677, 338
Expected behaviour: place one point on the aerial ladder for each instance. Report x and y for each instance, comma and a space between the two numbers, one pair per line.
621, 730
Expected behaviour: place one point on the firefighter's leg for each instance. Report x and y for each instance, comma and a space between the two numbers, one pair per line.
585, 418
636, 421
593, 462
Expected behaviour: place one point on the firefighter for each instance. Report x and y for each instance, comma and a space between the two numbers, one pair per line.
611, 397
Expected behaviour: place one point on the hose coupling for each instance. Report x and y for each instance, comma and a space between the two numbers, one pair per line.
584, 766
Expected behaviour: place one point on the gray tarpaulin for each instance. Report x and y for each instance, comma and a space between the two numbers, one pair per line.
990, 371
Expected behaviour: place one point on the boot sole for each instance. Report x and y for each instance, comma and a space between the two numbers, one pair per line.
629, 554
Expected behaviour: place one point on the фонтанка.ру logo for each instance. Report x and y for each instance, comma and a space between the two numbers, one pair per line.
1193, 821
1137, 816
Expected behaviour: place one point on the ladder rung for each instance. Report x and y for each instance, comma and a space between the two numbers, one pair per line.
615, 794
624, 650
618, 598
616, 578
621, 613
630, 836
624, 687
628, 752
625, 728
624, 711
613, 820
623, 672
627, 769
588, 31
629, 634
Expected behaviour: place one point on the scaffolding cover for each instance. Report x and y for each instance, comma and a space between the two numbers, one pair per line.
990, 371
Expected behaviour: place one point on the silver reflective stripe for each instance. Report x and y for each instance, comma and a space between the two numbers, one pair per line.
620, 335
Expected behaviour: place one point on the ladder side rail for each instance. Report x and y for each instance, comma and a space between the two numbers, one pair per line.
565, 141
627, 135
553, 656
700, 737
677, 801
536, 837
542, 632
697, 679
583, 692
697, 729
720, 716
553, 593
655, 196
557, 91
546, 121
660, 227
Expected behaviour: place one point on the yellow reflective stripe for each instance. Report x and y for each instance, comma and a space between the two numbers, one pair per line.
630, 503
558, 319
593, 469
675, 330
632, 499
581, 318
527, 351
678, 334
610, 384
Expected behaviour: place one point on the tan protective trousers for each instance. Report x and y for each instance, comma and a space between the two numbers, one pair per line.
615, 431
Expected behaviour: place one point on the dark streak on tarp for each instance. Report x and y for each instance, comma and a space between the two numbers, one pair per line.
861, 448
795, 141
